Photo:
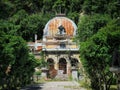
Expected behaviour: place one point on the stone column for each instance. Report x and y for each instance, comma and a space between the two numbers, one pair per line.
44, 72
68, 68
56, 65
74, 74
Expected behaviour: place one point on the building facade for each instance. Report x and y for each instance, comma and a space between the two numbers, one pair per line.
59, 46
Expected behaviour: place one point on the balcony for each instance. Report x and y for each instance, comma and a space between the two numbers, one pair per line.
60, 49
60, 36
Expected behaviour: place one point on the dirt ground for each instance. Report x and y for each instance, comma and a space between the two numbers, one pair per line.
55, 85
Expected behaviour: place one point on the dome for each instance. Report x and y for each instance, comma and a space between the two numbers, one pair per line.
51, 28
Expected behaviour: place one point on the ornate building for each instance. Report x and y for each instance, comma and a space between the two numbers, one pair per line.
58, 45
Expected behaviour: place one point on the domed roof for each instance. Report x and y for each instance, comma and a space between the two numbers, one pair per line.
51, 28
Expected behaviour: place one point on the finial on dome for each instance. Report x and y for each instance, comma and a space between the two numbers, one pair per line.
60, 15
61, 12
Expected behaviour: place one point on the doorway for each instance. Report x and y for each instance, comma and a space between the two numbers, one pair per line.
52, 72
63, 65
74, 62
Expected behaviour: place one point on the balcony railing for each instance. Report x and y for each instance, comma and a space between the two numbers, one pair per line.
60, 49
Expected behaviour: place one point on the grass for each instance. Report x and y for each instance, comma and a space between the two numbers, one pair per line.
113, 87
42, 80
85, 84
72, 87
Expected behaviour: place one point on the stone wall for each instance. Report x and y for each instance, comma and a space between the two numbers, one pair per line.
56, 58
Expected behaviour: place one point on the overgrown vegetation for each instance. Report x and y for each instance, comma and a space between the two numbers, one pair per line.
98, 28
16, 64
98, 34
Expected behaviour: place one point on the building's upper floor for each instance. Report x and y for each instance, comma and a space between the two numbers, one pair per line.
58, 35
53, 25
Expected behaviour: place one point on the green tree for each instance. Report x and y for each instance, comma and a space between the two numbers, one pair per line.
73, 16
6, 9
42, 63
25, 25
48, 6
16, 65
102, 7
96, 56
33, 24
90, 24
30, 6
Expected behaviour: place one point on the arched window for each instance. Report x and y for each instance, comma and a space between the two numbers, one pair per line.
74, 62
50, 62
62, 65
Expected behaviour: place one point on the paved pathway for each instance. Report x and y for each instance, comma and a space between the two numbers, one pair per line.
56, 85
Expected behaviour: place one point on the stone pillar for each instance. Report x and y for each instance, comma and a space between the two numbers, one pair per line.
56, 65
68, 68
74, 74
44, 73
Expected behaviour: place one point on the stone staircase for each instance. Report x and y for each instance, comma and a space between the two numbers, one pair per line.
62, 77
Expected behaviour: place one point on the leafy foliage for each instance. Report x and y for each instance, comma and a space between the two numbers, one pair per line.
20, 18
16, 65
42, 63
102, 7
90, 25
96, 56
32, 25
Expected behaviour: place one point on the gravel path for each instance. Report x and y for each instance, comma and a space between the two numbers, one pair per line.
55, 85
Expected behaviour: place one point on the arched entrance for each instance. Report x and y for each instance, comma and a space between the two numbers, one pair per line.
74, 62
63, 65
50, 62
52, 72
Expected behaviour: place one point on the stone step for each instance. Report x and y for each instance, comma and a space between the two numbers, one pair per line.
62, 77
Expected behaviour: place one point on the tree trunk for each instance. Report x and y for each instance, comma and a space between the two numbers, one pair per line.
104, 86
100, 84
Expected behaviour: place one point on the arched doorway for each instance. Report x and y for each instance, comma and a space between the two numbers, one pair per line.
74, 62
50, 62
63, 65
52, 72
